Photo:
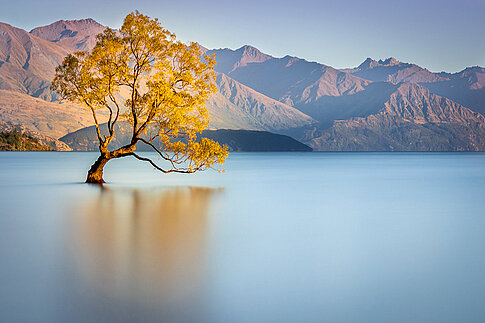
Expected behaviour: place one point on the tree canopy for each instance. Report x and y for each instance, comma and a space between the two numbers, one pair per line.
143, 75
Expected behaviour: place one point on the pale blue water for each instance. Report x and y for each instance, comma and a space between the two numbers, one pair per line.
279, 237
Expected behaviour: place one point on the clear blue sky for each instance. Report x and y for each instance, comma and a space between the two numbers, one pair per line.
439, 35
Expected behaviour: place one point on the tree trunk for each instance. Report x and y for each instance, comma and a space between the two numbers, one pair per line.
95, 173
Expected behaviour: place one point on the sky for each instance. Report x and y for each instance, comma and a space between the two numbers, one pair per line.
439, 35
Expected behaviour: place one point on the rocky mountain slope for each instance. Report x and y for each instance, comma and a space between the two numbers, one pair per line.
466, 87
27, 63
412, 119
237, 106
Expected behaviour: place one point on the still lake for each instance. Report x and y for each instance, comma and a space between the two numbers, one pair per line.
278, 237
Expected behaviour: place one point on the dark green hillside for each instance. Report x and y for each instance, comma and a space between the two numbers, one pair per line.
248, 140
15, 140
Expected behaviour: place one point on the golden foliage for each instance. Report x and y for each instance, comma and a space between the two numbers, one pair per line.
168, 84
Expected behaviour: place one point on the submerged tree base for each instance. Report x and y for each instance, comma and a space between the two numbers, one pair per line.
95, 178
95, 173
91, 180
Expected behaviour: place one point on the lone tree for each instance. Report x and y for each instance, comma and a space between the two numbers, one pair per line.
165, 84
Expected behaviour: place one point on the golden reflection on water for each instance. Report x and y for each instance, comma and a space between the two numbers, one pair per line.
143, 245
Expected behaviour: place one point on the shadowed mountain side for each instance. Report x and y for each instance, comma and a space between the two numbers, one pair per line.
246, 140
380, 135
73, 35
290, 80
413, 119
237, 106
361, 104
236, 140
48, 118
27, 63
466, 87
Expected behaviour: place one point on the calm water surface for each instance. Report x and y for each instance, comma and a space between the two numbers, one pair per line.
279, 237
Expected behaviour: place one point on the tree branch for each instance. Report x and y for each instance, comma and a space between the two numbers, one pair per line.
101, 141
158, 151
161, 169
113, 99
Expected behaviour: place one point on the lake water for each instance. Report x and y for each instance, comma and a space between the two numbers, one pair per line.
279, 237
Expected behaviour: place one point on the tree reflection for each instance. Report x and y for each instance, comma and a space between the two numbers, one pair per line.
147, 246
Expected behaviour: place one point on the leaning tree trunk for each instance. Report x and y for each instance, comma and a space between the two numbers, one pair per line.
95, 173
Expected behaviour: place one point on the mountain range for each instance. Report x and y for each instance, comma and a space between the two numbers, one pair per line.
381, 105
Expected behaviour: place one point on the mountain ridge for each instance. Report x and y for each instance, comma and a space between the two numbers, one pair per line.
394, 71
381, 104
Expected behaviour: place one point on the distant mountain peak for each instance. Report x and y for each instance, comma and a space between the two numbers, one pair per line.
228, 59
395, 71
291, 60
65, 24
475, 69
248, 48
391, 61
368, 63
71, 34
88, 20
252, 52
